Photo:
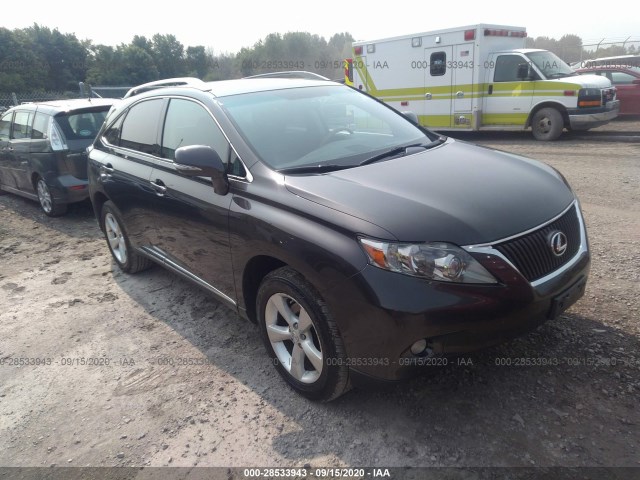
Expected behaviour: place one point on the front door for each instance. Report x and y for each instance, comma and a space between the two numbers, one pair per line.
190, 220
507, 98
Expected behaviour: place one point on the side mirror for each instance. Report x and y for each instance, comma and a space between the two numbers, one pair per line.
524, 71
203, 161
411, 116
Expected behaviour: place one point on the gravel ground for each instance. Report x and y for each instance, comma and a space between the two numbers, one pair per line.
148, 370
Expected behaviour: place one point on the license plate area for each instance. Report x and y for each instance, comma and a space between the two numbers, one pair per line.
567, 298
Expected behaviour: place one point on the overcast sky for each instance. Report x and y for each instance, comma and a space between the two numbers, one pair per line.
227, 26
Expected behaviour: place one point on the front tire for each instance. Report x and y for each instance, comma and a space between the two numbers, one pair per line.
547, 124
301, 336
127, 259
48, 204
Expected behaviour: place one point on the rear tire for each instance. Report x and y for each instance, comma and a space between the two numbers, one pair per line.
301, 336
126, 257
547, 124
49, 205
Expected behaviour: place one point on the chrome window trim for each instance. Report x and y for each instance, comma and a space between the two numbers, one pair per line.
487, 248
247, 179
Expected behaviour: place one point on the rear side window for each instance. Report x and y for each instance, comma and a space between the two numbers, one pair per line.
22, 125
438, 64
140, 127
189, 123
5, 126
622, 78
40, 124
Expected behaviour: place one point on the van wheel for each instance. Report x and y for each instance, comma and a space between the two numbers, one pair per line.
547, 124
127, 259
301, 336
47, 203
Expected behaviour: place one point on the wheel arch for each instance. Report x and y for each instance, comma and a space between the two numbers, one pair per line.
548, 104
256, 269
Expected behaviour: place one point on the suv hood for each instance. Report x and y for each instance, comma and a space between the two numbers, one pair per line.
457, 192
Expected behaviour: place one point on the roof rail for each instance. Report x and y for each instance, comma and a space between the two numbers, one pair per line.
291, 74
167, 82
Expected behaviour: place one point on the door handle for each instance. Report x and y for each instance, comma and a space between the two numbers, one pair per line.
490, 89
428, 96
159, 187
106, 169
459, 94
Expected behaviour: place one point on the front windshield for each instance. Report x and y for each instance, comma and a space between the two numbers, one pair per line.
319, 125
550, 64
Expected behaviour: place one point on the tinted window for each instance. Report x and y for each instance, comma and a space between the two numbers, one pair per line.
507, 68
140, 127
621, 78
188, 123
112, 135
40, 124
22, 125
5, 126
438, 64
81, 125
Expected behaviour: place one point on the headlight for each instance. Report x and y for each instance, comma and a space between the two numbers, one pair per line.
436, 261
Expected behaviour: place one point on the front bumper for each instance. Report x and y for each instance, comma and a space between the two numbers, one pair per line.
381, 313
581, 119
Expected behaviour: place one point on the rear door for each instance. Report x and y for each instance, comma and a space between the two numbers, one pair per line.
463, 67
438, 84
123, 161
19, 146
6, 178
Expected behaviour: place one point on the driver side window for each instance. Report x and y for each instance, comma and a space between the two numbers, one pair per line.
188, 123
5, 126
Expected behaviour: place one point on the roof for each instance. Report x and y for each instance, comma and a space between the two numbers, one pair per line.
65, 105
247, 85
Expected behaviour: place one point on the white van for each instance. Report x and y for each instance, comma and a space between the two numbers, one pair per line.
481, 77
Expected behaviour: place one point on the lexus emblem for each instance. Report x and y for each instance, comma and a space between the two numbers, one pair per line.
558, 243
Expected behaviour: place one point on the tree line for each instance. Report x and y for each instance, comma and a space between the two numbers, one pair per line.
39, 58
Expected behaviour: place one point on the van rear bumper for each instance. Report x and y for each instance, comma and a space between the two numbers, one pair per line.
582, 119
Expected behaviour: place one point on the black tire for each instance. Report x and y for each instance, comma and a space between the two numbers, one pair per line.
315, 332
547, 124
115, 232
48, 204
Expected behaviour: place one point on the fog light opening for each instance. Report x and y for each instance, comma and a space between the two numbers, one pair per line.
419, 347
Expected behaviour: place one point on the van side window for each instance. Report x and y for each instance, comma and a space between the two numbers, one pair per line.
140, 127
22, 125
507, 68
188, 123
40, 124
438, 64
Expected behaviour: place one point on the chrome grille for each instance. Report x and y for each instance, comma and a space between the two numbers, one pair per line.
532, 254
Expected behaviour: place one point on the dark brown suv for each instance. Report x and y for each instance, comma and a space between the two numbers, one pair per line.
43, 150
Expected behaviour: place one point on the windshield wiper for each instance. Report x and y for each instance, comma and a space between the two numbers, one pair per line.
403, 149
319, 168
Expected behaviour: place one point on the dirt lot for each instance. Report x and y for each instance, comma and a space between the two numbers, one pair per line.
181, 381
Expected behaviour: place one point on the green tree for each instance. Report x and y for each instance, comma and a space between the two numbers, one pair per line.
196, 61
168, 55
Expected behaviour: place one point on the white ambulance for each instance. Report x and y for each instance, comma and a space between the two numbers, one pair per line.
480, 77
